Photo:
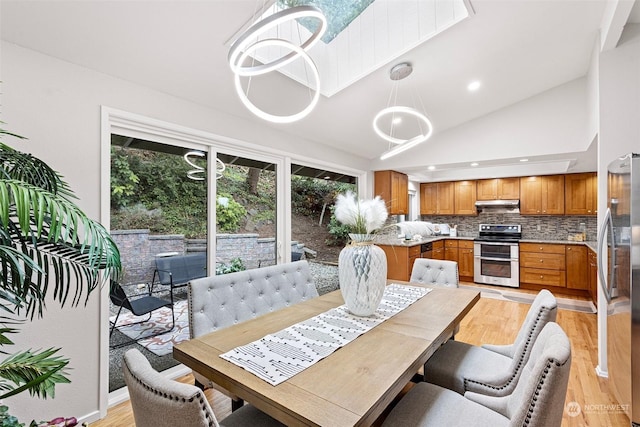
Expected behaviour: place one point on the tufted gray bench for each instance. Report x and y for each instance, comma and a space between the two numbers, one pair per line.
217, 302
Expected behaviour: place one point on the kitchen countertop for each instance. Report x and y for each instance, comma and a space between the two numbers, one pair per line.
387, 240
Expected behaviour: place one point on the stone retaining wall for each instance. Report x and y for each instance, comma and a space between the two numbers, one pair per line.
138, 250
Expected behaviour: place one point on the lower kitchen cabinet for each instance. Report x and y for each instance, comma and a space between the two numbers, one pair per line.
571, 266
593, 274
577, 267
543, 264
465, 260
451, 250
400, 260
438, 250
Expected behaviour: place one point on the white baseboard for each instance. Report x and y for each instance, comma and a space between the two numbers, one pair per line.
601, 373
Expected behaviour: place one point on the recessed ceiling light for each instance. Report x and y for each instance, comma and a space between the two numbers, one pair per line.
473, 86
396, 120
431, 168
474, 164
524, 160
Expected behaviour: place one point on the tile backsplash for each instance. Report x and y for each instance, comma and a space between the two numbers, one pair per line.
533, 227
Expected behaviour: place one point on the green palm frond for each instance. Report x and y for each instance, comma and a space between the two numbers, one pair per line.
38, 372
16, 291
61, 241
24, 167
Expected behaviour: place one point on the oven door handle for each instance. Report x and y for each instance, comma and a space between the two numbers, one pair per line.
495, 259
480, 242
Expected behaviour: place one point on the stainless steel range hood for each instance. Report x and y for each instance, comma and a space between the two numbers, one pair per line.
499, 206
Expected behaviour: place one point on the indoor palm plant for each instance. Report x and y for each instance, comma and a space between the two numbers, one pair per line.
47, 246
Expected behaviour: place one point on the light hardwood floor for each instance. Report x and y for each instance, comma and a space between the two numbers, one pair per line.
495, 321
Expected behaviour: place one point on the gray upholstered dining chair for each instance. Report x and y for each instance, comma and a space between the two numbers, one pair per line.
160, 402
490, 369
435, 272
537, 400
217, 302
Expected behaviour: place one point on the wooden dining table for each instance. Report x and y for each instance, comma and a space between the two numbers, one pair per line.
353, 385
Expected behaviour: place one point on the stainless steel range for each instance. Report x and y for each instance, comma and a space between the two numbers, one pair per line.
496, 255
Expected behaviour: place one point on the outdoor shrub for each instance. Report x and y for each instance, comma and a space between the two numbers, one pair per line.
309, 195
236, 264
229, 215
138, 217
338, 231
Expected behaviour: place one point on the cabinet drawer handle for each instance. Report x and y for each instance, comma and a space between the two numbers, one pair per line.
541, 276
541, 261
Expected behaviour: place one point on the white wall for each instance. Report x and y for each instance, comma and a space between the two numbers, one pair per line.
57, 106
555, 121
619, 127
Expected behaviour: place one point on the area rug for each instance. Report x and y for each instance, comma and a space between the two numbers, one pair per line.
160, 321
527, 298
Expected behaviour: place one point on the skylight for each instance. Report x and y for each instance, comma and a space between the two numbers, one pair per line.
364, 35
339, 14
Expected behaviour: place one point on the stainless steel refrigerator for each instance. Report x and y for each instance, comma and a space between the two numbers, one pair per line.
619, 247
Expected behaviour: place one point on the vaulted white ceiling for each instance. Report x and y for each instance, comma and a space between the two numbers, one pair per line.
517, 48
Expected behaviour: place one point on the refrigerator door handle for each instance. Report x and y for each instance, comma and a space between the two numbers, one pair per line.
607, 225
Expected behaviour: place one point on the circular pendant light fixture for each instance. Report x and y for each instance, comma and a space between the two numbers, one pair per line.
261, 113
197, 173
248, 43
398, 109
249, 37
398, 112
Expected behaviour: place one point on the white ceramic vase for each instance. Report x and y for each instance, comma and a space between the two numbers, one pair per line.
362, 271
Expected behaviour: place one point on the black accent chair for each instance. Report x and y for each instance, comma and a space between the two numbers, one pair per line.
138, 305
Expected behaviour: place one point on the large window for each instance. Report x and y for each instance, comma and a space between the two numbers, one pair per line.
157, 203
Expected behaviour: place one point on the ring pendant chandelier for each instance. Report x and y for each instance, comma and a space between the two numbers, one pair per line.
398, 145
249, 42
197, 173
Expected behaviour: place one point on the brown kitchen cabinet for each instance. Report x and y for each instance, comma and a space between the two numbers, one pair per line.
542, 195
393, 188
593, 275
437, 198
465, 198
577, 267
581, 194
460, 251
543, 264
465, 260
438, 250
428, 198
498, 189
451, 250
400, 260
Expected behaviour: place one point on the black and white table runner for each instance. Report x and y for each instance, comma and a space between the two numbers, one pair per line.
277, 357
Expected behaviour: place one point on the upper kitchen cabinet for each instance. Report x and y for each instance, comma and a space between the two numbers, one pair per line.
437, 198
428, 198
581, 194
542, 195
465, 198
499, 189
393, 188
